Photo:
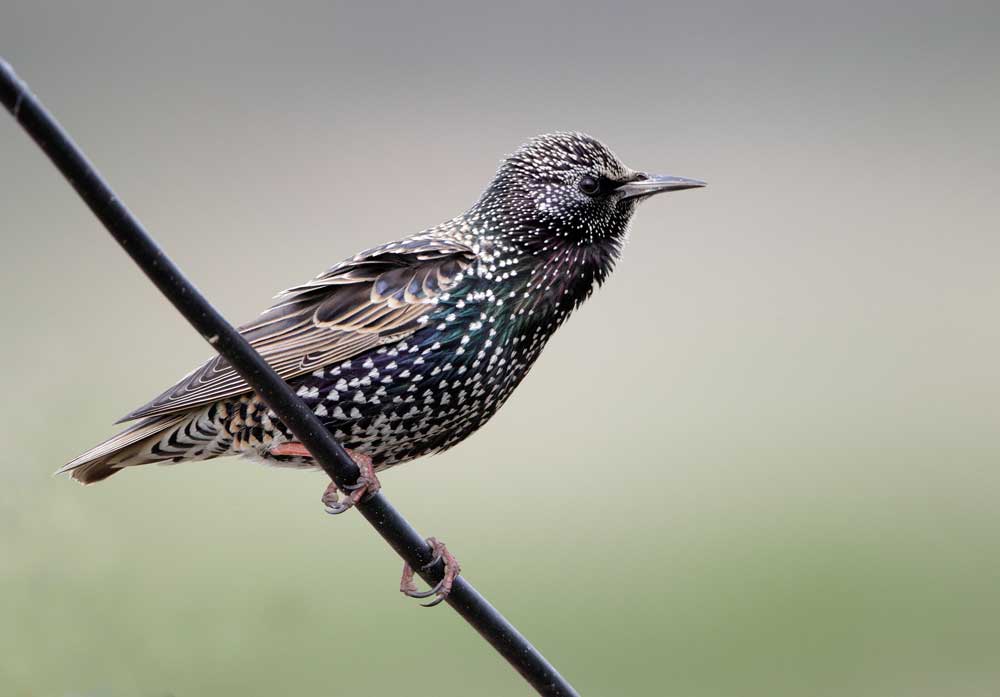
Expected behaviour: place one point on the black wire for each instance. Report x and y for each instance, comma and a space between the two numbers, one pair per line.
292, 411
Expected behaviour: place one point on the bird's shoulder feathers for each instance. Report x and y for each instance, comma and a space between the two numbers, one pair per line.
374, 298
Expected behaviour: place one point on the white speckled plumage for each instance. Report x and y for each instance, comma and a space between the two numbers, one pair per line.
409, 347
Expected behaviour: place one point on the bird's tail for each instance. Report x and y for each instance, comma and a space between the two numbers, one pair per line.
171, 437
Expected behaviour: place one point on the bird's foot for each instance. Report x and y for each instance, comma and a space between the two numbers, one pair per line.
367, 485
443, 588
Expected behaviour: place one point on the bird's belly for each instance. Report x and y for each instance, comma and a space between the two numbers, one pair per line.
418, 396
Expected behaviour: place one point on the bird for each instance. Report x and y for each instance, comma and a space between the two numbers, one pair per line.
408, 348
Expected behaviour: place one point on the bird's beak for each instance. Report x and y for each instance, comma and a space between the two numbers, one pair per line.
649, 184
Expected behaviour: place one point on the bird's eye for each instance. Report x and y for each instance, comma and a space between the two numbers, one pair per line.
590, 185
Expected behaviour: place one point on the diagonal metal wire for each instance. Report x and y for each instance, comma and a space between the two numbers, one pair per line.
387, 521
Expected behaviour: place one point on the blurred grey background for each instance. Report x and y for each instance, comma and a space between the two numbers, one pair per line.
762, 461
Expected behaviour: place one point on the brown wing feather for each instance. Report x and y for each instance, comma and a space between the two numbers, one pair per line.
375, 297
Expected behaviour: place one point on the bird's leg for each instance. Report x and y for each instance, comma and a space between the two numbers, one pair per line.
443, 588
367, 484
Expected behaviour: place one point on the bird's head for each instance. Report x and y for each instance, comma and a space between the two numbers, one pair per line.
570, 186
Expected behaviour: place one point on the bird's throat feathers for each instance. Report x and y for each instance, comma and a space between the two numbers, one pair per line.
542, 276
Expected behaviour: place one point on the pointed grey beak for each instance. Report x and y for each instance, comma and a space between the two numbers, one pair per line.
649, 184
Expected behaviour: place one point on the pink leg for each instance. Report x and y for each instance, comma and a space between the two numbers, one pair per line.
291, 448
367, 485
443, 588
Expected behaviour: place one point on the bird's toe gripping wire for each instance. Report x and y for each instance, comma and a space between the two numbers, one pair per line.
443, 587
367, 485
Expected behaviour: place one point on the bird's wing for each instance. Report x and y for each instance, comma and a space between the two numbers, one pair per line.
374, 298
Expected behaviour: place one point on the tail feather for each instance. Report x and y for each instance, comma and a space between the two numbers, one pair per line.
130, 447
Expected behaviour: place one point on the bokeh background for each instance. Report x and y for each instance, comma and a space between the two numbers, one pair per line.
764, 460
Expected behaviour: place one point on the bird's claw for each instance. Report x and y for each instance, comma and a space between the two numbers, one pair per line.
366, 486
443, 587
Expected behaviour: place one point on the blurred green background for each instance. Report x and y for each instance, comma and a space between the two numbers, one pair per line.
762, 461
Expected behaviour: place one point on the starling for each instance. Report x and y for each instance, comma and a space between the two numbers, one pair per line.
409, 347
